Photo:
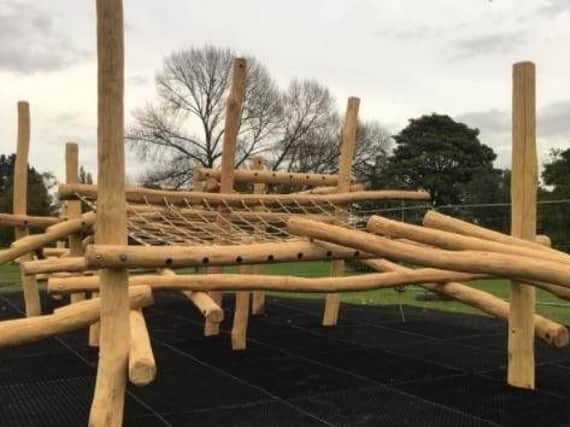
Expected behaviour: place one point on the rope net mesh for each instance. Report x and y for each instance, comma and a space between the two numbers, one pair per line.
191, 224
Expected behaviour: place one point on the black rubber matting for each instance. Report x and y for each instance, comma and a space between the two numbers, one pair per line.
373, 369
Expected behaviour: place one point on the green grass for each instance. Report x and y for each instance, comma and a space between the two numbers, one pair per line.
10, 279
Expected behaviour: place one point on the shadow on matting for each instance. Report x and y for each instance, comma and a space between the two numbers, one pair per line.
374, 369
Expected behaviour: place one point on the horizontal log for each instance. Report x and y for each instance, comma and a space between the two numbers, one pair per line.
433, 219
270, 177
447, 240
253, 282
211, 311
147, 195
514, 267
330, 190
52, 234
55, 265
142, 366
12, 220
114, 256
55, 252
66, 319
547, 330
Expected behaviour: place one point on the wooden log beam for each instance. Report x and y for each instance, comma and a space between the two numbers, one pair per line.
272, 177
258, 297
142, 366
56, 265
524, 179
550, 332
446, 240
12, 220
65, 319
55, 252
116, 256
347, 144
111, 227
144, 195
492, 263
331, 190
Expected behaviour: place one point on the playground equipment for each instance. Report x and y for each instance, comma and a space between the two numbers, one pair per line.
134, 239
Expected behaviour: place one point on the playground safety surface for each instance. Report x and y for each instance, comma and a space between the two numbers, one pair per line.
373, 369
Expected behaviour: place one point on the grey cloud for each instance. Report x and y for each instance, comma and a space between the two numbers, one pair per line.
31, 43
554, 7
554, 120
137, 80
499, 42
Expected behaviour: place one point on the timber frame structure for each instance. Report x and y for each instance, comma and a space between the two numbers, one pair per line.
132, 240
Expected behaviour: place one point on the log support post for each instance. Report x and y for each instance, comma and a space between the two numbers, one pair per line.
332, 303
258, 297
521, 363
111, 223
20, 204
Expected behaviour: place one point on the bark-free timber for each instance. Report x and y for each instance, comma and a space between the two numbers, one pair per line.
19, 204
65, 319
241, 314
13, 220
491, 263
347, 144
144, 195
331, 190
258, 297
111, 226
116, 256
524, 178
550, 332
142, 366
447, 240
55, 265
55, 252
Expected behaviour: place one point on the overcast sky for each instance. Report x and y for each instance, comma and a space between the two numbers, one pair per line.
403, 58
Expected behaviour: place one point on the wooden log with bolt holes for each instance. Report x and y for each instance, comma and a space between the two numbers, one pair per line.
331, 190
65, 319
446, 240
348, 142
142, 366
55, 265
12, 220
203, 302
433, 219
272, 177
547, 330
111, 226
55, 252
115, 256
258, 297
491, 263
147, 195
19, 204
52, 234
524, 181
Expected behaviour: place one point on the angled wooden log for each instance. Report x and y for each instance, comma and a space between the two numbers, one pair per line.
492, 263
142, 366
446, 240
547, 330
65, 319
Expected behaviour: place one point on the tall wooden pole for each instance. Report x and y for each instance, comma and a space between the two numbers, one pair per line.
348, 142
111, 223
523, 222
258, 297
73, 206
20, 203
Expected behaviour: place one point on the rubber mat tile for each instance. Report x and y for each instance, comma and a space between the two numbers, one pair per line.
385, 367
262, 414
494, 400
372, 336
42, 368
382, 406
57, 403
458, 356
434, 330
291, 377
44, 346
182, 384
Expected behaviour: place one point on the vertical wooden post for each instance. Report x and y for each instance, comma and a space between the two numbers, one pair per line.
332, 303
73, 206
20, 205
258, 297
111, 224
523, 222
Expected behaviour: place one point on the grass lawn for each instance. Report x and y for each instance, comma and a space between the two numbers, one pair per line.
10, 278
